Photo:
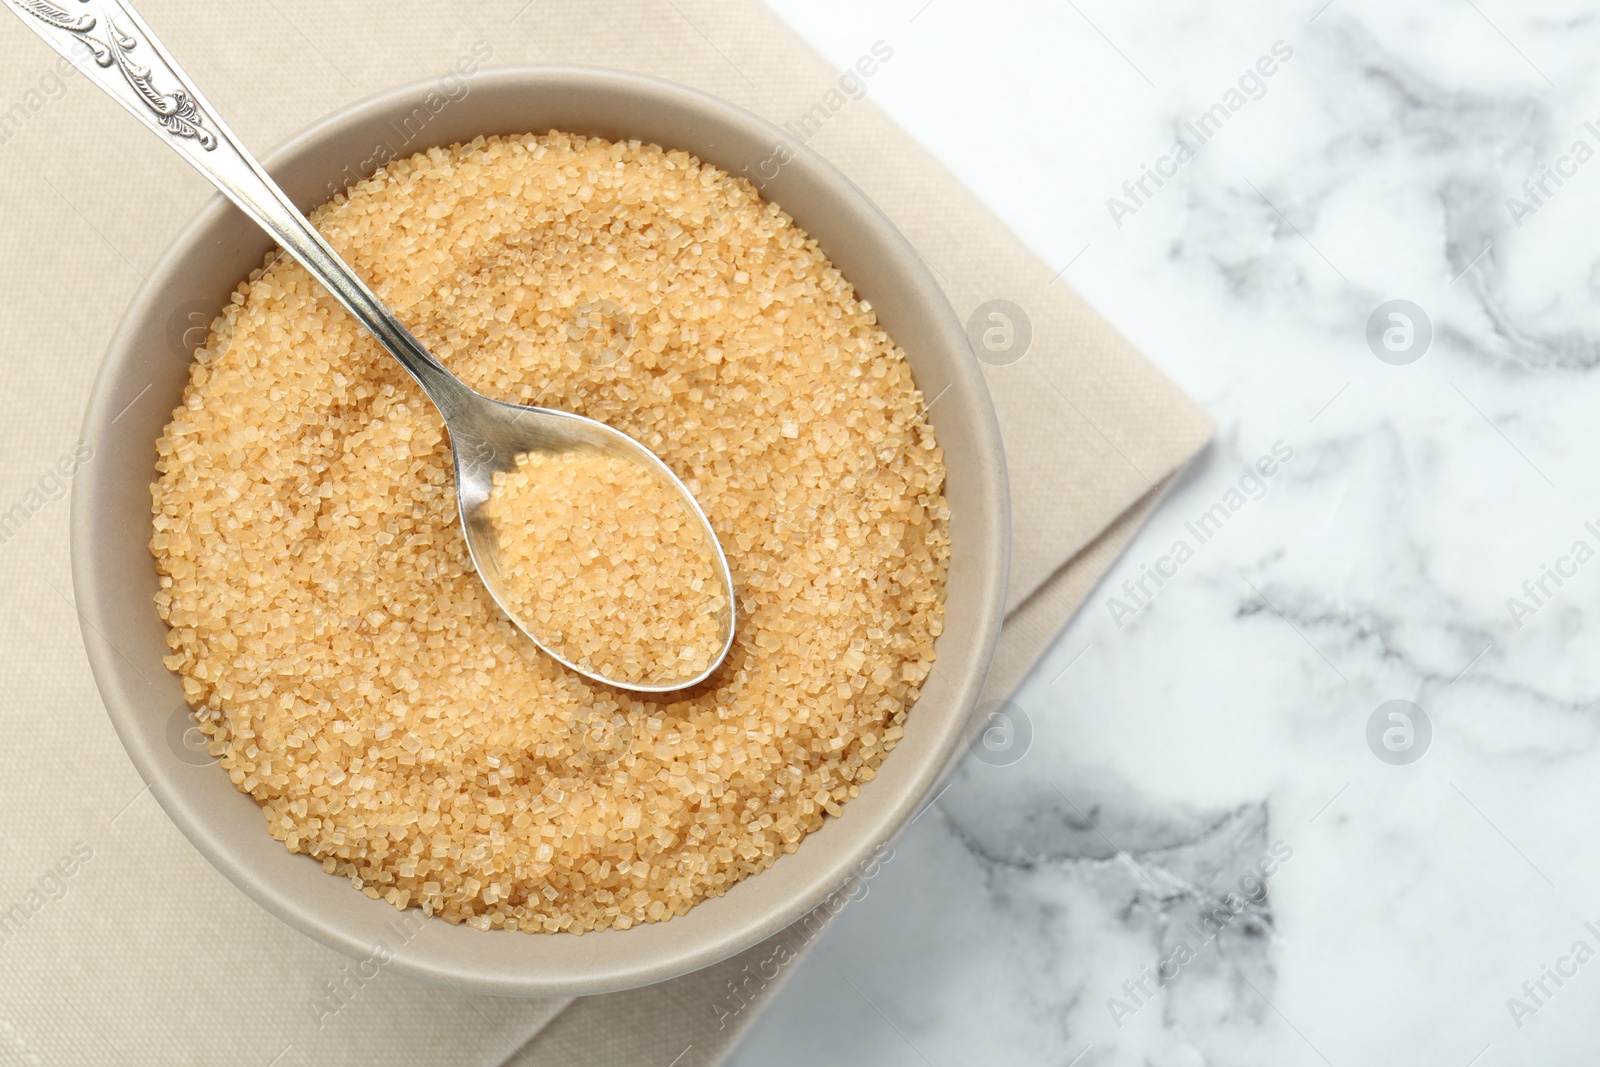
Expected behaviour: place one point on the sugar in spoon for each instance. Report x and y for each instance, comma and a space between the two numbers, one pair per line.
111, 43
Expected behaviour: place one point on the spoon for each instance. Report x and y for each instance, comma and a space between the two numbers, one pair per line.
111, 43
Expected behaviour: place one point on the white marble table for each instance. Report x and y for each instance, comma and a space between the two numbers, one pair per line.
1429, 897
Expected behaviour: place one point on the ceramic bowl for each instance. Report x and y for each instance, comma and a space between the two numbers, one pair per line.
142, 381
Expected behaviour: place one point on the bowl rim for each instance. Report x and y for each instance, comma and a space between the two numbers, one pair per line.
97, 617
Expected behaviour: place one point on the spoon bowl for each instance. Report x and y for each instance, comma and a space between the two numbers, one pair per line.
486, 436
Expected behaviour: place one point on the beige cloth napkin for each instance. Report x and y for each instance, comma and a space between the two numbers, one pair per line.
118, 943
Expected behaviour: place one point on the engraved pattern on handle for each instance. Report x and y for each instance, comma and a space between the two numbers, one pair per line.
174, 111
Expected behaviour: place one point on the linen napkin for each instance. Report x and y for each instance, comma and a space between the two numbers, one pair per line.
117, 941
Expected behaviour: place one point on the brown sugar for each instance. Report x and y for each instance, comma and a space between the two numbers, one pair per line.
607, 567
358, 681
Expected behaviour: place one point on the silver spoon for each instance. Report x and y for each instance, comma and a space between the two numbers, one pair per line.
112, 44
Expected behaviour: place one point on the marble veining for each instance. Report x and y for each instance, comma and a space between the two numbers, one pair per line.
1433, 908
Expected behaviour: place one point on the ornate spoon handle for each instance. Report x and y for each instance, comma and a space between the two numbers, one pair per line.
113, 46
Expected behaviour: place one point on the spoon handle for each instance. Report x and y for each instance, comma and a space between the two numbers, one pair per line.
110, 43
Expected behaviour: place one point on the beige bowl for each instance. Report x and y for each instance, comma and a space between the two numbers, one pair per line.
142, 381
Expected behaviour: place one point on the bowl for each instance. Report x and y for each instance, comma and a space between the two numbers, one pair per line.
142, 380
